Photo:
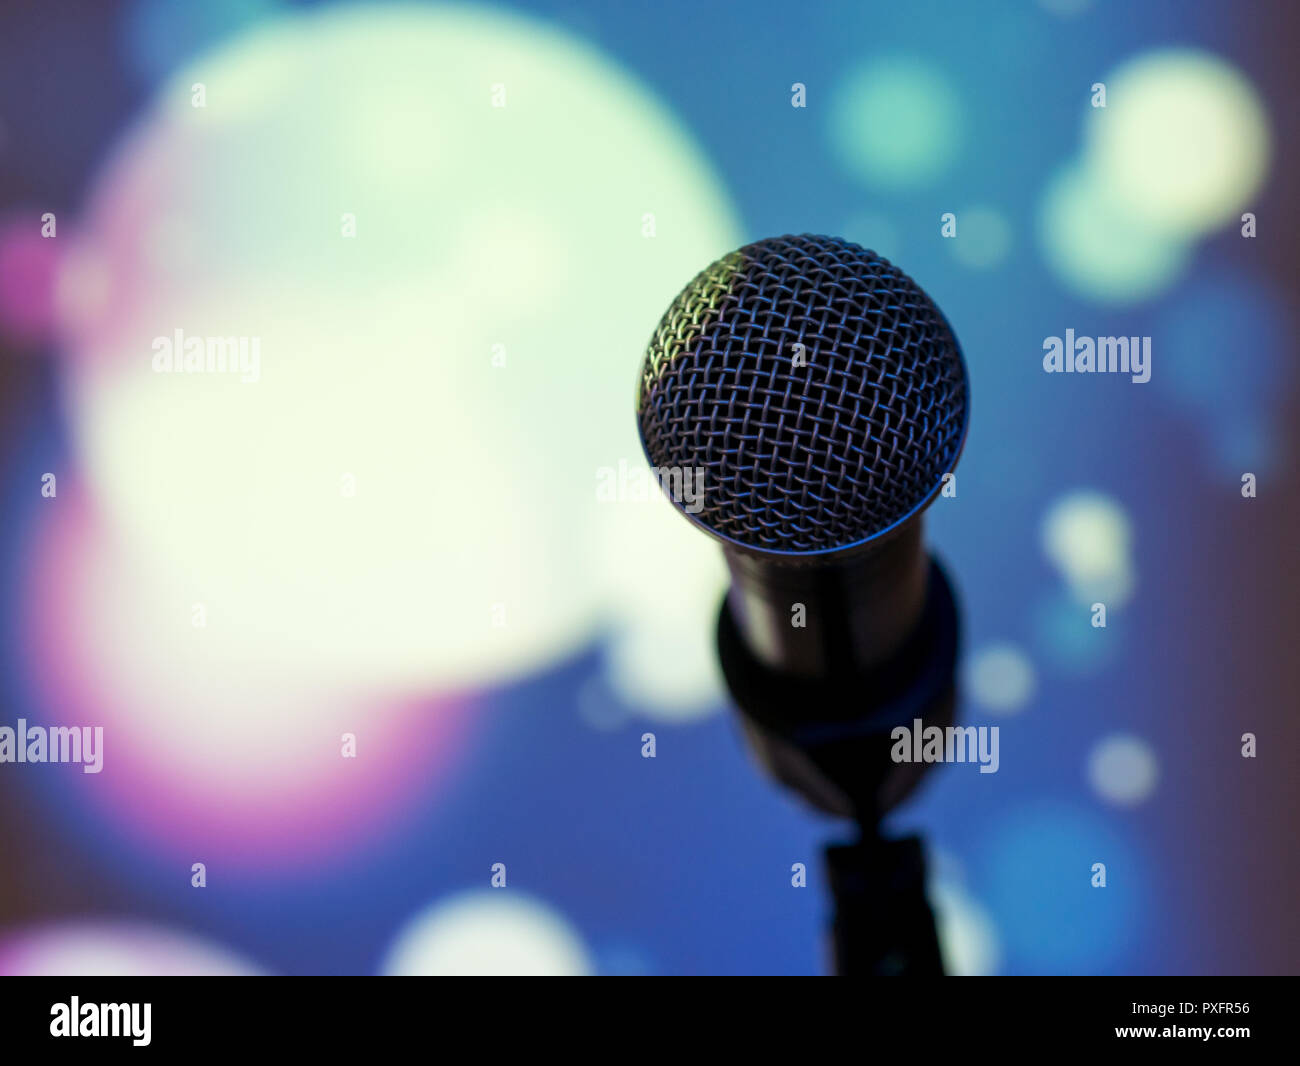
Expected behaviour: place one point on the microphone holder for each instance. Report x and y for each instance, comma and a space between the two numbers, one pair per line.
828, 738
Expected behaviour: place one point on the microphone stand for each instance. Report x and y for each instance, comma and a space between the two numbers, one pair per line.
883, 925
828, 738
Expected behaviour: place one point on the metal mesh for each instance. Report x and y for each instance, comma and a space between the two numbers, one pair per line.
812, 457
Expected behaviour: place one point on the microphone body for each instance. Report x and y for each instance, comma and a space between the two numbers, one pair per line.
820, 398
830, 617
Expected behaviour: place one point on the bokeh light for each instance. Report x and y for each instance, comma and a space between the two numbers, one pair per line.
660, 656
1122, 770
1183, 143
115, 949
28, 268
1088, 537
1096, 249
999, 677
462, 555
1181, 147
983, 238
968, 936
207, 756
491, 933
895, 122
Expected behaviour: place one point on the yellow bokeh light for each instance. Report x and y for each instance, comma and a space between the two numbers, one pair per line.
1183, 144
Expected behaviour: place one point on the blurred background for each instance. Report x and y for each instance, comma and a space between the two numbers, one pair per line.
448, 232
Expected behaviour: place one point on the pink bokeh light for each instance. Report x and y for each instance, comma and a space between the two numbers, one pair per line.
29, 264
207, 759
115, 949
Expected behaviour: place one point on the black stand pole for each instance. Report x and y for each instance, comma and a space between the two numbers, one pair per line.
883, 925
829, 740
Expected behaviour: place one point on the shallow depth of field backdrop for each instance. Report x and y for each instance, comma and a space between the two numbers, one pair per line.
386, 606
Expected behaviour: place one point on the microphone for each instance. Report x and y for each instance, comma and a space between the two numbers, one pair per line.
817, 397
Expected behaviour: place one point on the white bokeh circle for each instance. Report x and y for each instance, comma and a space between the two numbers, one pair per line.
497, 932
549, 233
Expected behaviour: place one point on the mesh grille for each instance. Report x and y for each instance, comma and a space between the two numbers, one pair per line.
804, 458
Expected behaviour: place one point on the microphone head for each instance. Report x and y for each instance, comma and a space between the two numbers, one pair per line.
817, 388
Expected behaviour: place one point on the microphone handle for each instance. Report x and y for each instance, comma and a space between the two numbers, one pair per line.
825, 617
883, 925
829, 739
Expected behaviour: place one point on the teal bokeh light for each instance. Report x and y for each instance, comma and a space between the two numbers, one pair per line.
895, 121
